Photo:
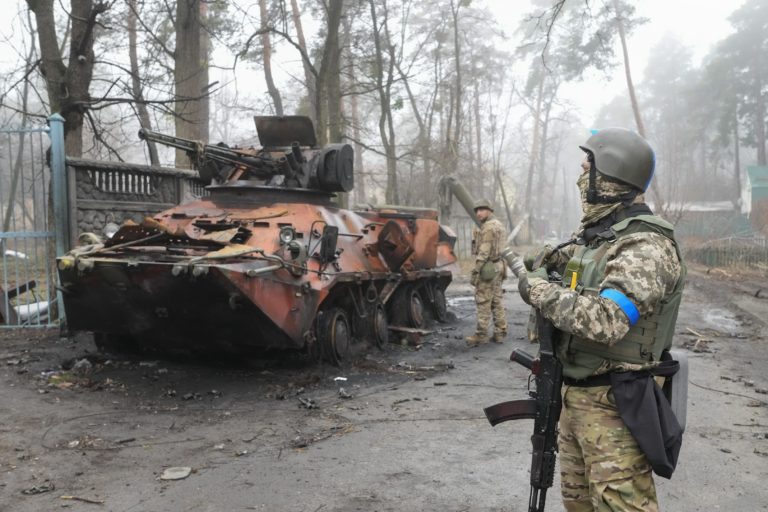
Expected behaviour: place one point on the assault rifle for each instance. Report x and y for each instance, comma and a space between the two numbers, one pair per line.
543, 407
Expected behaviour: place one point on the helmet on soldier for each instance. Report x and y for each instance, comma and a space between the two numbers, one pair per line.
622, 155
482, 203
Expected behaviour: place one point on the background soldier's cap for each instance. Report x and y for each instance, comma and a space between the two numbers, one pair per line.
482, 203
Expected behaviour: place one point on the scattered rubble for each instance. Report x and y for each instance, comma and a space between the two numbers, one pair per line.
308, 403
46, 486
176, 473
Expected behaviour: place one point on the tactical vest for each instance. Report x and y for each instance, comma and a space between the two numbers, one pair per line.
493, 266
649, 336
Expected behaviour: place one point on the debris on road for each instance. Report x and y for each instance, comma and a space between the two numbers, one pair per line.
308, 403
176, 473
84, 500
343, 393
46, 486
698, 345
82, 368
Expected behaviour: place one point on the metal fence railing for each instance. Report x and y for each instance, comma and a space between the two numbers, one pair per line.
737, 252
27, 248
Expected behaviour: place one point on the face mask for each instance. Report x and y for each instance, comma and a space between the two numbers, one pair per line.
606, 188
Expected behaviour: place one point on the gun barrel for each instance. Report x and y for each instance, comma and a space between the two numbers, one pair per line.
169, 140
200, 151
513, 261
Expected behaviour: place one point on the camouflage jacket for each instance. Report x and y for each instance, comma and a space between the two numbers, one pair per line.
643, 266
488, 242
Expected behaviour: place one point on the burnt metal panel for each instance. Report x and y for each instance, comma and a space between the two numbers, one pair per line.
282, 131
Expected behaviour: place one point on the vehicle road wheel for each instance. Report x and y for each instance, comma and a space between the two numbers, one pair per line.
380, 327
407, 307
439, 307
415, 306
335, 336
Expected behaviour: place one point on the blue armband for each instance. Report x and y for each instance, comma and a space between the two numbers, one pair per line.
626, 305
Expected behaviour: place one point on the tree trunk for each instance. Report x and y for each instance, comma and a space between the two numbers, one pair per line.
360, 192
534, 145
329, 67
274, 93
737, 158
759, 114
633, 99
68, 86
424, 134
478, 133
309, 77
191, 74
454, 141
543, 179
136, 91
386, 128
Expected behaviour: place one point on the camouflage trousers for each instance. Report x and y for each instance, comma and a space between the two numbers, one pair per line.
601, 466
490, 307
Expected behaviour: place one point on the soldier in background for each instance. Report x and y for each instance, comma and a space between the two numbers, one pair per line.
487, 275
615, 313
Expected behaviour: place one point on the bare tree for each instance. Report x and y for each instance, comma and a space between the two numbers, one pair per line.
68, 84
310, 75
136, 86
384, 79
328, 85
266, 45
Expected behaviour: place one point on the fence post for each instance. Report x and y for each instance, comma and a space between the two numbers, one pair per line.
60, 200
59, 184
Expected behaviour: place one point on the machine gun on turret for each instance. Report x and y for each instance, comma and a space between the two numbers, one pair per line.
288, 157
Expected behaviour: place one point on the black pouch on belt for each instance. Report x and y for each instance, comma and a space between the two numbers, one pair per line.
648, 416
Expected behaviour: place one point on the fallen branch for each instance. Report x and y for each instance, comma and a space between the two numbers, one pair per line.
84, 500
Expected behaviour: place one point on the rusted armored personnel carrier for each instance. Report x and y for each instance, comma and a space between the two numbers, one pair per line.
266, 261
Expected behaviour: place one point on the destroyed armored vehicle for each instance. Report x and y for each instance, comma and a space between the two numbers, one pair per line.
267, 260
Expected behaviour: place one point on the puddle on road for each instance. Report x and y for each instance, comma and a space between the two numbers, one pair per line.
722, 320
460, 300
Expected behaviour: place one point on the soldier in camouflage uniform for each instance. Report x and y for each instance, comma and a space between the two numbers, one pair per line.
487, 275
615, 311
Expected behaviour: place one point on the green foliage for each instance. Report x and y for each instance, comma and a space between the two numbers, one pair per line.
737, 73
575, 39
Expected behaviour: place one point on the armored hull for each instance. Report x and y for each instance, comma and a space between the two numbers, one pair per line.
254, 267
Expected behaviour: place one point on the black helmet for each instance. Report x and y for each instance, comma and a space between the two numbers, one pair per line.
482, 203
623, 155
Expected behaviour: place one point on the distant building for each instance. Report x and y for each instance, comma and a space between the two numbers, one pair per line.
757, 198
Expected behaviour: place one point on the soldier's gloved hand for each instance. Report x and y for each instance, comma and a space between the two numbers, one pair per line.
530, 279
537, 257
475, 278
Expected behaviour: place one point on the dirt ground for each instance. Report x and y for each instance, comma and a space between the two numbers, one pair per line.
401, 429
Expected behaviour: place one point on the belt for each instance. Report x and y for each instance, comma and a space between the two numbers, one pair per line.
589, 382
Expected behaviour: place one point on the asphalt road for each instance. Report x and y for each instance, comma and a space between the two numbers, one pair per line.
406, 432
